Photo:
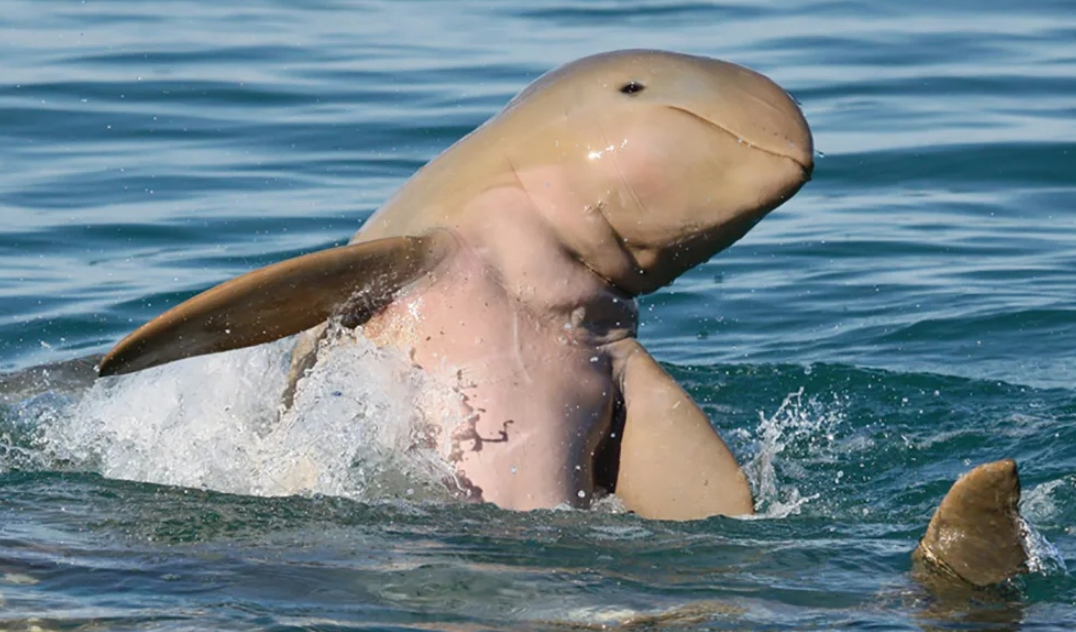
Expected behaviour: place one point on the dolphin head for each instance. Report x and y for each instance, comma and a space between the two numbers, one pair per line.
650, 162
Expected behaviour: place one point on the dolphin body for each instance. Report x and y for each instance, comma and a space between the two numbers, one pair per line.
509, 266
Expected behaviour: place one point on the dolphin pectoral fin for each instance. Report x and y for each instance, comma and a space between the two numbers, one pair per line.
280, 300
976, 535
673, 465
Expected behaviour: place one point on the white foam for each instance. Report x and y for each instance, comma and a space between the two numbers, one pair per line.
216, 422
1037, 505
1040, 503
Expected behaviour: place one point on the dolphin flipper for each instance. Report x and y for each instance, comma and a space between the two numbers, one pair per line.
672, 463
976, 534
280, 300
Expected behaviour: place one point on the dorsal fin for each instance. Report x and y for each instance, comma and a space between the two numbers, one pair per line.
977, 533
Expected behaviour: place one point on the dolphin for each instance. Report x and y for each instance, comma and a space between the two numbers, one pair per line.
509, 267
976, 536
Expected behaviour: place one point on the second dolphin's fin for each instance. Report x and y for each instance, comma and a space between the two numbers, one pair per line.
280, 300
977, 533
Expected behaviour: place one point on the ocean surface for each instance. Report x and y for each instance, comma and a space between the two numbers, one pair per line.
909, 314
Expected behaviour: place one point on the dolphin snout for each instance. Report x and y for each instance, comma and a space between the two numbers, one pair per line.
761, 114
798, 144
776, 125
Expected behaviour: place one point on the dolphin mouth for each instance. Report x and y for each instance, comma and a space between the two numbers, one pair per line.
803, 160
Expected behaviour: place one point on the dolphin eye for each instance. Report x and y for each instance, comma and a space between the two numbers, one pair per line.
632, 87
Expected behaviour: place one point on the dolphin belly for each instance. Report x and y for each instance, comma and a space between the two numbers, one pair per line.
535, 397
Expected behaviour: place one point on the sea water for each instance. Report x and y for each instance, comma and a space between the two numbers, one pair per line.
906, 316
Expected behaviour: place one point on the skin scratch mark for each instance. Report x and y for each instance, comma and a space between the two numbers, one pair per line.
516, 350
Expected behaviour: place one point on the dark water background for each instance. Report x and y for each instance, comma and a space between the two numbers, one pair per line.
908, 315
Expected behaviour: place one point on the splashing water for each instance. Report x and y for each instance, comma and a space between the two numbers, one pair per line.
215, 422
1043, 557
382, 424
797, 423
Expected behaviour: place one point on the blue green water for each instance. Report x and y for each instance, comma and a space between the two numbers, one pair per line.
909, 314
